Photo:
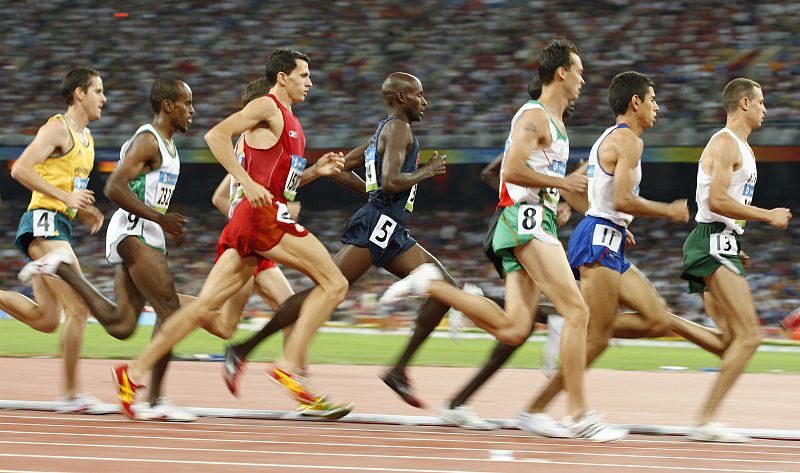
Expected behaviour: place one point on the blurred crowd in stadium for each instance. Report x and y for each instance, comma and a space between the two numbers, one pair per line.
474, 57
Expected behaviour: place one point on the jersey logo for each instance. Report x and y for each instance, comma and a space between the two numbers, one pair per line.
292, 134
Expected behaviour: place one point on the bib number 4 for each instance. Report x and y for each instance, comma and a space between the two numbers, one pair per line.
44, 223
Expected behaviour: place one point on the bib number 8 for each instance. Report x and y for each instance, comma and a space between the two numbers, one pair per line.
383, 231
528, 219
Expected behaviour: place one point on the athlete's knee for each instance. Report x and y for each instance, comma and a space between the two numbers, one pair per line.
46, 325
749, 341
121, 330
660, 327
337, 287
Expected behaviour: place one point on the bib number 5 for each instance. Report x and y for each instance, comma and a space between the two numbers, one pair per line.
383, 231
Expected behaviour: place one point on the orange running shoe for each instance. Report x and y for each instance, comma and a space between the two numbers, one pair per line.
324, 408
295, 388
126, 389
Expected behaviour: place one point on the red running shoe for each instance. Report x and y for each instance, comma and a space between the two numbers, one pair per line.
399, 384
232, 368
126, 389
295, 388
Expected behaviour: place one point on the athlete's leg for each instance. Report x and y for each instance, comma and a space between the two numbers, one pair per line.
307, 255
735, 314
227, 276
148, 269
430, 313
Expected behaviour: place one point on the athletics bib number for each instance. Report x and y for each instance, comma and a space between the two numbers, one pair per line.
723, 244
283, 214
383, 231
529, 218
607, 236
412, 196
133, 221
293, 179
164, 191
370, 176
44, 223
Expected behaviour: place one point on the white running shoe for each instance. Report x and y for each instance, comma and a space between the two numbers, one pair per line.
552, 345
416, 283
542, 425
82, 403
593, 429
164, 411
463, 416
45, 266
455, 319
717, 432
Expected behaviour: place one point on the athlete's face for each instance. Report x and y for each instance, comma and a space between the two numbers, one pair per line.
648, 109
757, 110
415, 103
183, 109
93, 99
297, 82
573, 78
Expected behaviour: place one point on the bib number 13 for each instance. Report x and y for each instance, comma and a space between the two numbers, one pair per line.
723, 244
529, 218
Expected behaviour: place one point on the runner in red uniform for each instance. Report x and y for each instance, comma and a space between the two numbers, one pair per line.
261, 227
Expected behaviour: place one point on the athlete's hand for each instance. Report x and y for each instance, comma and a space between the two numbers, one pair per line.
257, 194
575, 183
294, 209
92, 217
745, 260
330, 164
629, 239
779, 218
563, 213
80, 199
173, 225
436, 165
583, 167
679, 210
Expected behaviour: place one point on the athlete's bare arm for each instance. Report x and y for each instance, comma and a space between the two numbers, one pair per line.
218, 138
532, 132
53, 138
328, 165
141, 157
393, 145
220, 198
347, 178
723, 159
491, 173
620, 154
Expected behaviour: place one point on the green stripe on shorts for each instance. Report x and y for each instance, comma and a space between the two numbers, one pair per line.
507, 238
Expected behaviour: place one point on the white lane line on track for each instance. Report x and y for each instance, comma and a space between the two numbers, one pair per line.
361, 446
30, 471
339, 427
359, 468
276, 452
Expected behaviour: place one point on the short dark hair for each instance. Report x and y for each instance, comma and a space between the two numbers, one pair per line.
165, 89
282, 60
535, 88
255, 89
556, 54
735, 90
78, 76
624, 86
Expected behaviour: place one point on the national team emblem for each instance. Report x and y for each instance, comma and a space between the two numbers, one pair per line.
292, 134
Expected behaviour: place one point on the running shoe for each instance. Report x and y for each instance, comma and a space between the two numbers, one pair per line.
591, 427
45, 266
463, 416
717, 432
81, 403
163, 410
232, 369
324, 408
455, 318
292, 385
126, 389
542, 425
399, 383
417, 283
